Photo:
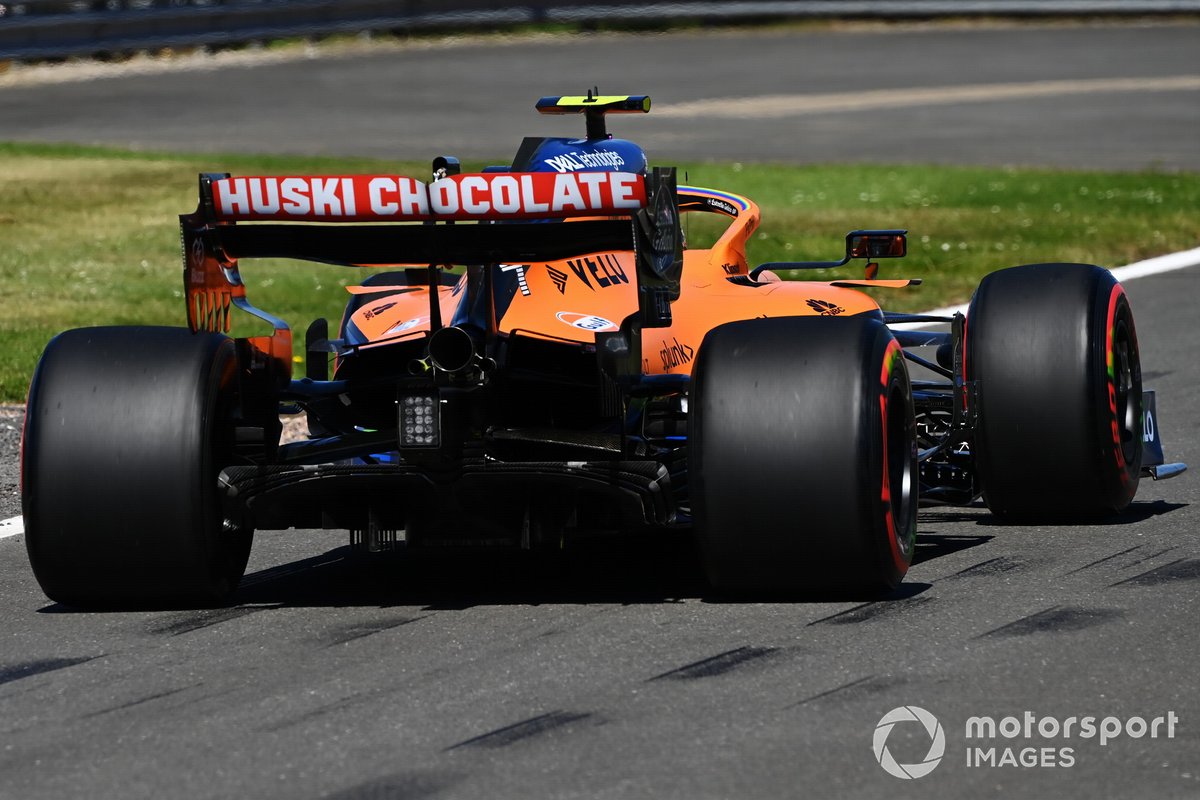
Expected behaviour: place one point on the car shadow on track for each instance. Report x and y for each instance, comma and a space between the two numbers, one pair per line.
628, 573
979, 515
934, 545
619, 571
659, 572
1135, 513
1139, 512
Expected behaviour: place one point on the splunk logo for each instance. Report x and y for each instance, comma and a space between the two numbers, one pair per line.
909, 714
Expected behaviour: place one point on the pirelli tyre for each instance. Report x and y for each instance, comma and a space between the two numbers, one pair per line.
802, 456
1053, 354
126, 431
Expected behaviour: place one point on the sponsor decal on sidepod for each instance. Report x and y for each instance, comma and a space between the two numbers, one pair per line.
586, 322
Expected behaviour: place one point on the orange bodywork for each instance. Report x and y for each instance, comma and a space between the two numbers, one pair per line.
573, 299
395, 317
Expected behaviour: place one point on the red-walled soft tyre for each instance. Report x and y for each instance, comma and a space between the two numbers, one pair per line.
802, 456
126, 429
1053, 352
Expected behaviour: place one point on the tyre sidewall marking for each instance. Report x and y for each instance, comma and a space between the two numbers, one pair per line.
1117, 299
891, 354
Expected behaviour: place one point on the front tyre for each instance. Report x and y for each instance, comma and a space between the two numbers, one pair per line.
802, 456
126, 431
1053, 352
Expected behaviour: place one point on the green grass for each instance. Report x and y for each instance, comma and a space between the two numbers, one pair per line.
89, 236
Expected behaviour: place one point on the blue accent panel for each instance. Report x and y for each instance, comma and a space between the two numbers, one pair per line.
588, 155
1152, 452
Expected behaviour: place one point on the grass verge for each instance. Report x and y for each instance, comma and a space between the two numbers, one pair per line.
88, 236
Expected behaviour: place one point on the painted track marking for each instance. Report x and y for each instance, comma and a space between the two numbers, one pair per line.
790, 105
12, 527
1139, 269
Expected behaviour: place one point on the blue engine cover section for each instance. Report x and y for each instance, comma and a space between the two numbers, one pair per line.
585, 155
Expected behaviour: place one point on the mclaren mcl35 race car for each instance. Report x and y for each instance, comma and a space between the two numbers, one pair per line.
536, 356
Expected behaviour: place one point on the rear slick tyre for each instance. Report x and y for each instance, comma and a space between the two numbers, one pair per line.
1053, 352
126, 431
802, 456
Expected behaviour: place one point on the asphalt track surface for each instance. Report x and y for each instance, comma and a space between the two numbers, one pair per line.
616, 674
974, 95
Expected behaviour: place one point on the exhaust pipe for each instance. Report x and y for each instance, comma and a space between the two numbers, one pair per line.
451, 350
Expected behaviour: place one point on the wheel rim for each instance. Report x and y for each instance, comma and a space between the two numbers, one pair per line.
901, 456
1128, 413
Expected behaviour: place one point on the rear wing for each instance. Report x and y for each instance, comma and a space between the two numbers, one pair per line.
594, 106
471, 219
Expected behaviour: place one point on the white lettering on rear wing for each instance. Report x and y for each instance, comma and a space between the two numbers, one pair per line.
382, 198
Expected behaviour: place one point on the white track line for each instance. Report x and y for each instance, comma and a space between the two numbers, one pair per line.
1153, 266
1139, 269
12, 527
793, 105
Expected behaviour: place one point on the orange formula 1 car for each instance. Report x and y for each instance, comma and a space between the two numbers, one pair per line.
580, 372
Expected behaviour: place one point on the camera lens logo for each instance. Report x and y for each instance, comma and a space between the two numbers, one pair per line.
937, 746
